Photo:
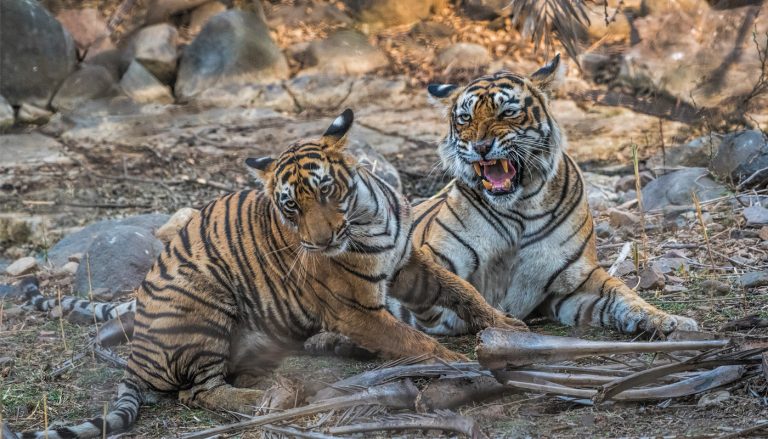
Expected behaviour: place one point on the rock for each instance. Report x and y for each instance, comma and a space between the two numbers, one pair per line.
6, 114
323, 92
670, 265
75, 257
373, 160
36, 56
139, 84
627, 182
763, 233
273, 96
625, 268
234, 47
155, 48
19, 228
70, 267
756, 215
754, 279
118, 259
85, 25
33, 114
383, 13
623, 219
463, 56
76, 244
486, 9
714, 398
651, 278
739, 156
168, 231
604, 230
161, 10
201, 14
674, 189
116, 61
88, 82
22, 266
715, 287
346, 52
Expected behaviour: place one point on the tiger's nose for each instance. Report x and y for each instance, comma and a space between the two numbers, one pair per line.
482, 146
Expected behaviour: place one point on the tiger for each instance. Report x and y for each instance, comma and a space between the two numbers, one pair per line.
514, 221
257, 272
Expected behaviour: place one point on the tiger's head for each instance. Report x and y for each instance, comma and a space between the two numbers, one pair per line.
310, 185
502, 136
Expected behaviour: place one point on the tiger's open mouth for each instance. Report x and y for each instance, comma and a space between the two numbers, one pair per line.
499, 177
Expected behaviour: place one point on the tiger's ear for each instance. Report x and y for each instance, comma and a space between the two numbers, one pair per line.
336, 135
261, 168
545, 76
442, 93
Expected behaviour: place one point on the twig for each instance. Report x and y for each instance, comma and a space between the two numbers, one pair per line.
296, 433
639, 195
109, 356
704, 232
625, 249
453, 423
65, 366
397, 395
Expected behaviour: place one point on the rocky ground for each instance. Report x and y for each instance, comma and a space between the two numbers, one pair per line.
142, 127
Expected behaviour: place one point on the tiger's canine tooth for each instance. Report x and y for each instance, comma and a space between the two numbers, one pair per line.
487, 185
477, 169
507, 185
505, 165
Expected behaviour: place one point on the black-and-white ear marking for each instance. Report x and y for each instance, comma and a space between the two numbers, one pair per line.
441, 90
259, 164
340, 125
544, 77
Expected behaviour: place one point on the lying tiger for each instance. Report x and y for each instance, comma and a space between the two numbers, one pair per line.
515, 221
258, 272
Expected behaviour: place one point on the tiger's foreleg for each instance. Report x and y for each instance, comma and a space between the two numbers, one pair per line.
378, 331
603, 300
452, 292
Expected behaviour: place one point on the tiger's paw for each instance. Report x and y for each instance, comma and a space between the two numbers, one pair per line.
333, 343
500, 320
661, 322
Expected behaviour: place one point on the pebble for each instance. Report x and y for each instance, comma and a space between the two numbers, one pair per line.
651, 278
70, 267
756, 215
714, 398
621, 218
22, 266
754, 279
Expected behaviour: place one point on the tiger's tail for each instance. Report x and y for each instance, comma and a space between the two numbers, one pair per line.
88, 310
122, 416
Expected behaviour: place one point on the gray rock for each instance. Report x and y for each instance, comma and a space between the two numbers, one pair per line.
463, 56
155, 48
344, 52
740, 155
754, 279
118, 259
715, 287
234, 47
141, 86
30, 148
80, 241
32, 114
383, 13
486, 9
86, 25
6, 114
623, 219
375, 161
35, 56
756, 215
696, 153
22, 266
651, 278
627, 182
670, 265
604, 230
715, 398
86, 83
273, 96
674, 189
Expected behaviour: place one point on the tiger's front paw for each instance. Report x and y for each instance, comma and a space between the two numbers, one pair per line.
498, 319
661, 322
333, 343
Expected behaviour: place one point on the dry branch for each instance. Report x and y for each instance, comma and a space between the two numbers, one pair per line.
400, 395
455, 392
499, 348
453, 423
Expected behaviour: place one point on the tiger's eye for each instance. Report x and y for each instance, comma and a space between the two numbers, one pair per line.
326, 190
290, 204
463, 118
510, 112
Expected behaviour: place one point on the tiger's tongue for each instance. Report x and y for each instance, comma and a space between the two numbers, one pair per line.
496, 176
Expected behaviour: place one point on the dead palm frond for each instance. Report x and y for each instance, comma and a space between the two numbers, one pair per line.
542, 19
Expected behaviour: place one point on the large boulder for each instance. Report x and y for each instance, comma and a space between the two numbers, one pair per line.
234, 47
675, 188
740, 156
36, 53
141, 86
344, 52
86, 25
695, 154
117, 260
87, 83
80, 241
383, 13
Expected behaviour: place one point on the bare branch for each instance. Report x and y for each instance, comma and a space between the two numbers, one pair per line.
453, 423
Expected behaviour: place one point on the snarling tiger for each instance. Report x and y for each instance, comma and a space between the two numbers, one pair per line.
257, 272
515, 221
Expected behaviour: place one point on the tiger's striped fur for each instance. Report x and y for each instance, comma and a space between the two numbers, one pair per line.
258, 272
522, 235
